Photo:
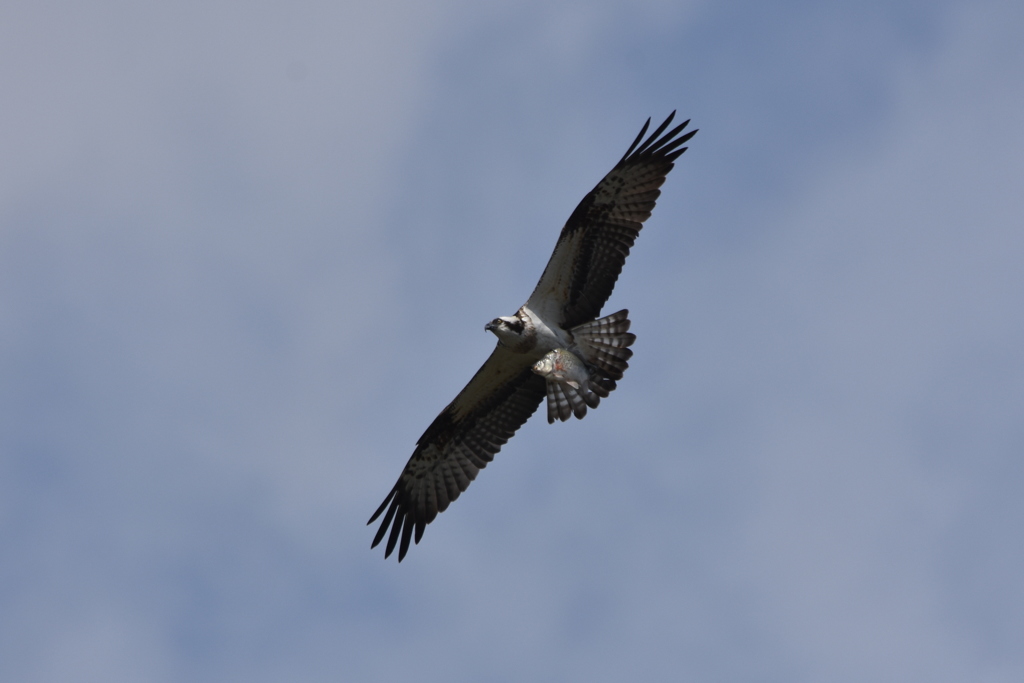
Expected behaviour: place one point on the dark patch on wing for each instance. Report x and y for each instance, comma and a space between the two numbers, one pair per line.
450, 454
609, 219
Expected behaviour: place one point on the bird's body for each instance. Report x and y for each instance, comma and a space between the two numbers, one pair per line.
553, 346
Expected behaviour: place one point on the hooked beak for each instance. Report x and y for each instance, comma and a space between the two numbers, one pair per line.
490, 327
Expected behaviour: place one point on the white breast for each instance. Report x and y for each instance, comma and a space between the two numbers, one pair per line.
549, 337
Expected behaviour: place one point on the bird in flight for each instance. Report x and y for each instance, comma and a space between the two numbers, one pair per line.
554, 346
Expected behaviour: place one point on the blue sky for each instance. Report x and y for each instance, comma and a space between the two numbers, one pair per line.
246, 255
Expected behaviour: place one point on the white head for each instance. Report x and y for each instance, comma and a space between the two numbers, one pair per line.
509, 330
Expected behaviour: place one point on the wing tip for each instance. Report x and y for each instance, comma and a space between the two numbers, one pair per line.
657, 144
383, 505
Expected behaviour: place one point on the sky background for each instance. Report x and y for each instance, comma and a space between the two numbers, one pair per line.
247, 251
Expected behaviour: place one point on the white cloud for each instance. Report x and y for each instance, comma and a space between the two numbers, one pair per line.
220, 228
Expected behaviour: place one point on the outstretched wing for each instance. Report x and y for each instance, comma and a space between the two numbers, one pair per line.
596, 239
458, 444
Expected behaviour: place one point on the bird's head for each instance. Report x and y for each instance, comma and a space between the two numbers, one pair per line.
508, 329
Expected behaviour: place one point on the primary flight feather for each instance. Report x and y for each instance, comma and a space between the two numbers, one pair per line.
553, 346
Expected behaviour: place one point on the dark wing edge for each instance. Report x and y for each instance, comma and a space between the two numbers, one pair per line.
604, 226
450, 454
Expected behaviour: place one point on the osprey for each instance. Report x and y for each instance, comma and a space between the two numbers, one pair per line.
553, 346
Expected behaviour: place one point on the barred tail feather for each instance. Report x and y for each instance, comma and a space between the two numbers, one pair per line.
579, 406
600, 385
565, 400
558, 404
590, 397
604, 344
552, 403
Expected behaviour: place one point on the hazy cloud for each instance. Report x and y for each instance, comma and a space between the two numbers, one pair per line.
246, 253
